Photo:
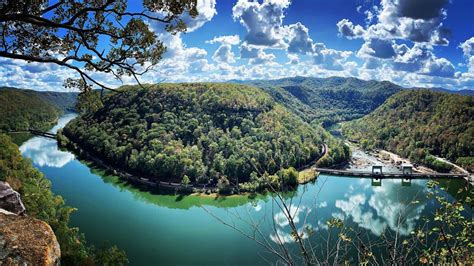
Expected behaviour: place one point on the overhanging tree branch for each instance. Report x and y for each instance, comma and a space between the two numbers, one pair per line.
68, 33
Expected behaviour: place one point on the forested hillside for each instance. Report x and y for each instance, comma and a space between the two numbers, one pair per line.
42, 204
418, 124
328, 100
22, 109
65, 101
204, 133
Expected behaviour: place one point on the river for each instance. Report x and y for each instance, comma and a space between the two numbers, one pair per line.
180, 230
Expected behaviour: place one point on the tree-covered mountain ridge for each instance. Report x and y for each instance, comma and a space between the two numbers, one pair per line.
418, 124
21, 109
326, 101
219, 134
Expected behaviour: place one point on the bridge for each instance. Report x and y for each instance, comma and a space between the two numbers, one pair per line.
34, 132
394, 175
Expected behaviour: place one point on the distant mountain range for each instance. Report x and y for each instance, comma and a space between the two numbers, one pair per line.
65, 101
330, 100
460, 92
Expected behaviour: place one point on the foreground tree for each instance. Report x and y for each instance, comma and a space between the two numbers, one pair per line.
69, 32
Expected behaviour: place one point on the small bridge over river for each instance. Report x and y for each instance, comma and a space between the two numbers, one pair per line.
34, 132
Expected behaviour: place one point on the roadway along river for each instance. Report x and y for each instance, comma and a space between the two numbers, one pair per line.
179, 230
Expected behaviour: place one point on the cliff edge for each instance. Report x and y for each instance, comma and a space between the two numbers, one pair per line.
24, 240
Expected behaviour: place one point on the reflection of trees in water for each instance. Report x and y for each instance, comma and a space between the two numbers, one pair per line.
172, 200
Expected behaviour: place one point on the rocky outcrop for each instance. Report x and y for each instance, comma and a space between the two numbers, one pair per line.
27, 241
10, 200
24, 240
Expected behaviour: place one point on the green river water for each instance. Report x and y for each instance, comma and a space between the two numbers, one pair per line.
180, 230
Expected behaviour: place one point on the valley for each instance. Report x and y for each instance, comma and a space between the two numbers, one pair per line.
220, 110
242, 132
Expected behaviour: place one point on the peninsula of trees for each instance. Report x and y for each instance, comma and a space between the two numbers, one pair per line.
205, 133
420, 124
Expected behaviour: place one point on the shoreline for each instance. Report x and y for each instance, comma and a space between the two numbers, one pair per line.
190, 189
362, 160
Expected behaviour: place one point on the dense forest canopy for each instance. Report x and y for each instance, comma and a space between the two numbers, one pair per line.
23, 109
418, 124
42, 204
208, 133
20, 110
328, 100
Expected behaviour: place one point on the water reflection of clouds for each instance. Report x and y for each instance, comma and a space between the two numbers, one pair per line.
389, 205
45, 152
298, 213
294, 211
283, 237
281, 220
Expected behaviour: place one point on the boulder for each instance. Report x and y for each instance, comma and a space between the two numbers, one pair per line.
27, 241
10, 200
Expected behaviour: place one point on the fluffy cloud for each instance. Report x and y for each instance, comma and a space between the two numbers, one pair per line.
263, 21
440, 67
329, 58
377, 48
293, 59
348, 29
256, 55
299, 41
420, 58
179, 60
37, 76
262, 58
468, 47
265, 30
228, 39
224, 54
248, 51
207, 10
468, 50
418, 21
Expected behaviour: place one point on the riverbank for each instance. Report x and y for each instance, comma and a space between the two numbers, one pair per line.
306, 174
363, 160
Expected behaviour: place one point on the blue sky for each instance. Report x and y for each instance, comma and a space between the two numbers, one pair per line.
424, 43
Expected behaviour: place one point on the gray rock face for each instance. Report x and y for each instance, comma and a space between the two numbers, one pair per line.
10, 200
